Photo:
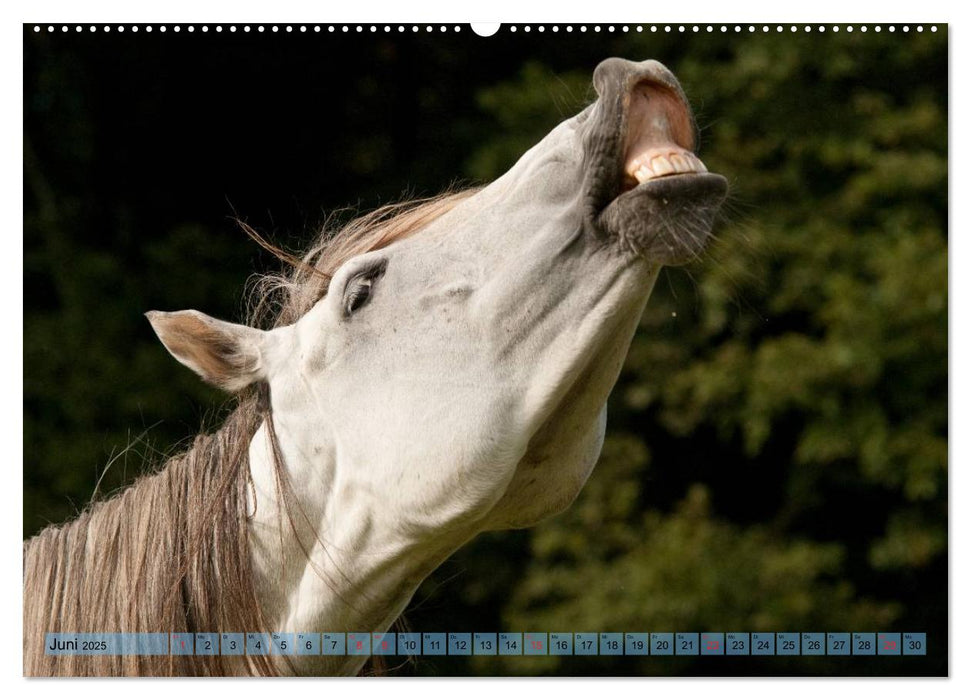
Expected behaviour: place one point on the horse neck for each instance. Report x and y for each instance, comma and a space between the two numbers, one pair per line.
325, 558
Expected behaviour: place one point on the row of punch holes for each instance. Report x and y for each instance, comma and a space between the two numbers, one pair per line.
346, 29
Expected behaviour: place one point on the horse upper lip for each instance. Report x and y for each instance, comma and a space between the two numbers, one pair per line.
644, 130
659, 134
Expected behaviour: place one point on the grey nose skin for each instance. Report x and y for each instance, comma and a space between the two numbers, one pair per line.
616, 76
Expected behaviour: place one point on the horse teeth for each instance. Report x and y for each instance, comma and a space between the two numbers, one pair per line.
681, 164
643, 174
698, 165
661, 166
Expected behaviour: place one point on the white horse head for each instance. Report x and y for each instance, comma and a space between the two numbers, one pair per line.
456, 380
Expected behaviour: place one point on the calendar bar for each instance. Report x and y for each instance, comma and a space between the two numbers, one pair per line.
712, 645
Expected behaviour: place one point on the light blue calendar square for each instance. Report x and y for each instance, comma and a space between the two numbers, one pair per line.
763, 644
409, 643
535, 644
358, 644
152, 644
585, 644
737, 644
308, 643
485, 643
207, 643
333, 644
787, 644
510, 644
636, 644
257, 644
182, 643
459, 644
561, 644
433, 644
281, 643
838, 644
915, 643
611, 644
813, 644
864, 644
712, 644
383, 643
686, 644
888, 644
662, 643
231, 643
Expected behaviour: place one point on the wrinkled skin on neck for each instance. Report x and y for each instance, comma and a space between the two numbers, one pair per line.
469, 392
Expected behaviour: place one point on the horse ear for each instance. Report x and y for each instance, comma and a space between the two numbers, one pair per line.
226, 355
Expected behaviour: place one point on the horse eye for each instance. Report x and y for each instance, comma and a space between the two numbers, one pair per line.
357, 296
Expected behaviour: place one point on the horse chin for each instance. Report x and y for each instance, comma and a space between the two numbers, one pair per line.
666, 220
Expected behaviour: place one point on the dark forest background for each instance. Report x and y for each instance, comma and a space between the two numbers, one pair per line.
776, 457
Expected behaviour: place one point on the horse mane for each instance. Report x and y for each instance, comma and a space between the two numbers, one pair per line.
170, 553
